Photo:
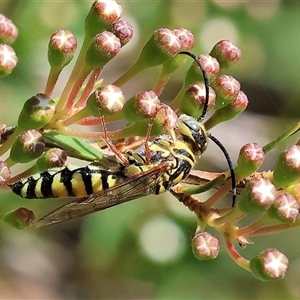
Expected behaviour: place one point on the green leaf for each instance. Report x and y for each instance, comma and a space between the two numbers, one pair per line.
74, 146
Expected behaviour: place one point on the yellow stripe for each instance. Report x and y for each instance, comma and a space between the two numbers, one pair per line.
78, 186
58, 188
96, 182
24, 190
38, 188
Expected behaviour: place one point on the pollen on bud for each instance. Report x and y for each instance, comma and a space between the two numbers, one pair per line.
54, 157
226, 53
20, 218
257, 196
8, 30
228, 112
28, 146
123, 30
5, 173
205, 246
285, 208
61, 48
250, 159
227, 89
186, 38
103, 48
141, 105
287, 168
37, 112
103, 13
8, 60
270, 264
194, 99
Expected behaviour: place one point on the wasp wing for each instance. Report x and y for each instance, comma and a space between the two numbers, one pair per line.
131, 188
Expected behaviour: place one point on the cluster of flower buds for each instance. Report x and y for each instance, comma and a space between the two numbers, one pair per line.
43, 134
273, 196
8, 34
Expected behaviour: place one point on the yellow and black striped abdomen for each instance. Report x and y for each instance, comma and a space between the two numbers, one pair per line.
66, 182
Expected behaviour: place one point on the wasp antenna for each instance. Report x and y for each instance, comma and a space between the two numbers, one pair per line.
228, 159
196, 59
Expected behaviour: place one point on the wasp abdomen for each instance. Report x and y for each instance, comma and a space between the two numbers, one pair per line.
66, 182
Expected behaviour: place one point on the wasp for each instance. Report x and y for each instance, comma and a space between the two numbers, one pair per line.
153, 168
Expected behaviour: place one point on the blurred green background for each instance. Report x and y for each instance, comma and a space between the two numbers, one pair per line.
141, 250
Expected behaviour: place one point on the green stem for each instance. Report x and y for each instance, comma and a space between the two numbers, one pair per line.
275, 228
51, 81
89, 87
280, 139
112, 135
247, 230
72, 79
190, 190
161, 83
81, 77
218, 195
232, 216
83, 113
92, 121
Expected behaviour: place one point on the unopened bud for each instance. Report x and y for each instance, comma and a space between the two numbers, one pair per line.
37, 112
227, 89
141, 105
8, 60
194, 99
123, 30
228, 112
294, 190
20, 218
162, 45
285, 208
205, 246
209, 64
270, 264
8, 30
109, 99
257, 196
54, 157
61, 48
165, 119
186, 38
287, 168
250, 159
226, 53
103, 48
103, 13
28, 146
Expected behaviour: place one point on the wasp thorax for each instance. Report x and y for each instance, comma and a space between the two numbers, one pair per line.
193, 133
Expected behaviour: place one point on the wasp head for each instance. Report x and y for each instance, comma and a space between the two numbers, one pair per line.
193, 133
